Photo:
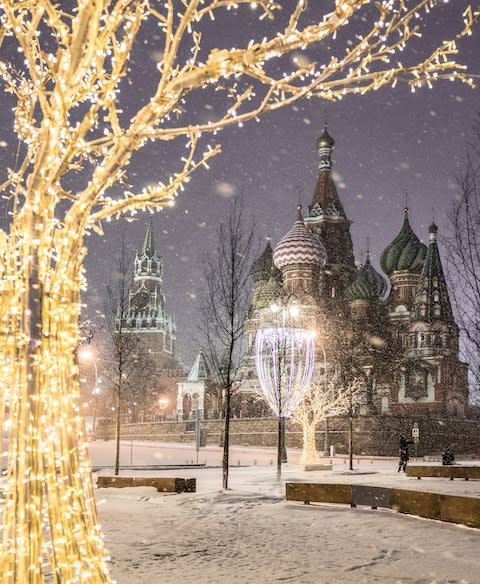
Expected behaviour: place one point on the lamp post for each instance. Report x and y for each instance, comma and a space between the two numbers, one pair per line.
95, 393
282, 451
284, 360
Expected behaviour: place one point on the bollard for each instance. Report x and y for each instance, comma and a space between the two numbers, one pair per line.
255, 463
271, 463
238, 463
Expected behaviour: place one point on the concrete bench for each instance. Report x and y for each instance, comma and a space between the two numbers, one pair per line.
451, 508
310, 467
451, 472
162, 484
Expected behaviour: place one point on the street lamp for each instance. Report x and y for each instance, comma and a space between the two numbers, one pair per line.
284, 360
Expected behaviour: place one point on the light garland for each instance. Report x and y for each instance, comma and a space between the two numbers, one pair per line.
285, 358
67, 118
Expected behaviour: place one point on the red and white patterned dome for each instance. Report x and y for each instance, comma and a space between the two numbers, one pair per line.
299, 246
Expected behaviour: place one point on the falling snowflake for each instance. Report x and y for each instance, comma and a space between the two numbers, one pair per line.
225, 189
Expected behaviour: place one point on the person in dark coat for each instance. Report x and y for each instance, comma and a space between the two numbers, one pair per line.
448, 457
404, 454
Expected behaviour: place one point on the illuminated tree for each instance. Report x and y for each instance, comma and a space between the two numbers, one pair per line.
68, 71
319, 400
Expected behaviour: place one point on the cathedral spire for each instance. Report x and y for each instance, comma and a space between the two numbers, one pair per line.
325, 201
432, 298
326, 216
325, 146
148, 248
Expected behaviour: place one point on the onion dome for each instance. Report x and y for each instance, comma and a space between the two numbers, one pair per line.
325, 140
361, 289
299, 246
267, 292
406, 252
376, 280
262, 266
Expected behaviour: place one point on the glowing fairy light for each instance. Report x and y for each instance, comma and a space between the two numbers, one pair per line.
284, 358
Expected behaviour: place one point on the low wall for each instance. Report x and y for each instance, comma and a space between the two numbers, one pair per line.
450, 508
372, 435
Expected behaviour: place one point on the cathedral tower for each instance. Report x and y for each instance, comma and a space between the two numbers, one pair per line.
327, 219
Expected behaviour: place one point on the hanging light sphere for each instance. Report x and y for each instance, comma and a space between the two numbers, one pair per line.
284, 360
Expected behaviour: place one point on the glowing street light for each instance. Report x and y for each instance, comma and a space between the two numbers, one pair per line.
284, 359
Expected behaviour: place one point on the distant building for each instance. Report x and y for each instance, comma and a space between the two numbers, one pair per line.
198, 392
147, 315
402, 346
148, 318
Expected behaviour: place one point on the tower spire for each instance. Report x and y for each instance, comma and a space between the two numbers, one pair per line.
325, 146
148, 248
432, 298
327, 219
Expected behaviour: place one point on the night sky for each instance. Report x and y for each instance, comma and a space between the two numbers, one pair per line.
388, 143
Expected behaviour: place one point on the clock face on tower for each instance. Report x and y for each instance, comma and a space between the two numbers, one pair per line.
141, 299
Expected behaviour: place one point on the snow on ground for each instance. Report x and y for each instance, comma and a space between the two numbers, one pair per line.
251, 535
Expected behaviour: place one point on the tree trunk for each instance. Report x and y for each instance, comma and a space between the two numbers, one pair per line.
309, 452
49, 518
350, 442
117, 430
226, 440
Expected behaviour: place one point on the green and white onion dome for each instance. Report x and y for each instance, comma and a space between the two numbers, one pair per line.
299, 246
376, 280
360, 289
267, 293
405, 253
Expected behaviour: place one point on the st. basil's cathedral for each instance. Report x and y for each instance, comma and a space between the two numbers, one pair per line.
397, 336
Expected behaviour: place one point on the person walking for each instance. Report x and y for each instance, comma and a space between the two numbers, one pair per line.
404, 454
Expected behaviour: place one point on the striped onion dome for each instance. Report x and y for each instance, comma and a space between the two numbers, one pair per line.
299, 246
405, 253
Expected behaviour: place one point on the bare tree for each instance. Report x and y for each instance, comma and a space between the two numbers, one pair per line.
128, 368
68, 72
463, 260
224, 308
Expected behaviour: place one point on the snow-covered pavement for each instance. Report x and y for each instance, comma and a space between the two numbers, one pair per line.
251, 535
